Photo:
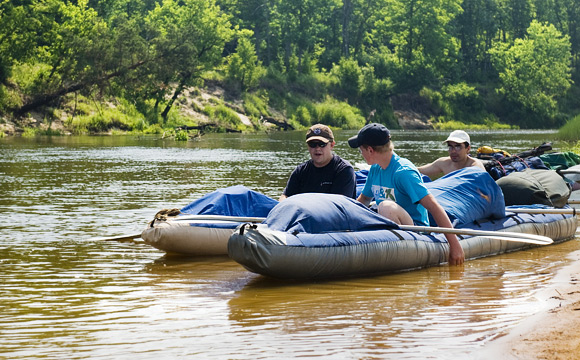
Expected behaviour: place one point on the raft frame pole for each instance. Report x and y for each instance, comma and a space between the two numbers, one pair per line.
219, 218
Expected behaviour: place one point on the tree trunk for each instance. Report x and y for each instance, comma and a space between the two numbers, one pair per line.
184, 80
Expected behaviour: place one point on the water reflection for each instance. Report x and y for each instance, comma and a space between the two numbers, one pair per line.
438, 311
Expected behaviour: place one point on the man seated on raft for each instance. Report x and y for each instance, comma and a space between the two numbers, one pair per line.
397, 186
459, 146
325, 172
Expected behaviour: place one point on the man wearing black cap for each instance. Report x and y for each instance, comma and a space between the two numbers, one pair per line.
325, 172
397, 187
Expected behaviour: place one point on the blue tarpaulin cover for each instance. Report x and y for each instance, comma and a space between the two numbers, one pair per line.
317, 213
232, 201
468, 194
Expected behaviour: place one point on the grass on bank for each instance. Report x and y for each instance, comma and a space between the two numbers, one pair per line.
571, 130
490, 124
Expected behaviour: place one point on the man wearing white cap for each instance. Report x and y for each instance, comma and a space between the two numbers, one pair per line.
459, 146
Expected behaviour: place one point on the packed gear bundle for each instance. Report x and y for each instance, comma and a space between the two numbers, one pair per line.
499, 163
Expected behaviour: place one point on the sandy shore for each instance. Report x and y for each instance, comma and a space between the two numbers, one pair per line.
552, 334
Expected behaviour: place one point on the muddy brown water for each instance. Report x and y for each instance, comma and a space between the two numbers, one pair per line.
65, 295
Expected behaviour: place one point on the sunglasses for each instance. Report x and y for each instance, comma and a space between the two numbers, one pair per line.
457, 147
314, 144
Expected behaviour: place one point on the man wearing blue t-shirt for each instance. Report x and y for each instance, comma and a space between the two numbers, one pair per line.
397, 187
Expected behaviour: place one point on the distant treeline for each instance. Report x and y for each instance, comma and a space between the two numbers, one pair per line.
476, 61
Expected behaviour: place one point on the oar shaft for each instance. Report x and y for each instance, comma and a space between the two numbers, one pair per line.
569, 171
118, 238
505, 235
543, 211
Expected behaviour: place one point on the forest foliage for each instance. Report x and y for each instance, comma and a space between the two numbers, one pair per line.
342, 62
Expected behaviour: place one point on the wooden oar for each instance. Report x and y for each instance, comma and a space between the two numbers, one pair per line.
499, 235
118, 238
543, 211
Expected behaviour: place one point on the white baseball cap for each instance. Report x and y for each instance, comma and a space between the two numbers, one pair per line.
458, 136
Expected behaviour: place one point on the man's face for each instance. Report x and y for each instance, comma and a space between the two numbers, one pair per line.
458, 151
364, 151
320, 152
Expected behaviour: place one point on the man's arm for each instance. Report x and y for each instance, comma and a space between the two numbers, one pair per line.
456, 255
365, 200
432, 170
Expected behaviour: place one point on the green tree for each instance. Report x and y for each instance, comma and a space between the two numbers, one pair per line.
476, 27
417, 32
535, 70
24, 26
188, 38
244, 71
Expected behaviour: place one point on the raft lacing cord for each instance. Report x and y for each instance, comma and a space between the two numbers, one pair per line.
522, 160
502, 168
164, 214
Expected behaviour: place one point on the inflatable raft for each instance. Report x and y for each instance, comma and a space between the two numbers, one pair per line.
203, 227
296, 247
311, 236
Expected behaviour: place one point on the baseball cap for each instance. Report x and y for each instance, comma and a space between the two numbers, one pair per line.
372, 134
319, 132
458, 136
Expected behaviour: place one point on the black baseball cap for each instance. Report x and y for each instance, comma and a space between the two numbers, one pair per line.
372, 134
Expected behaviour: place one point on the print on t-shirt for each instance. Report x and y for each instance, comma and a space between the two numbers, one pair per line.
381, 193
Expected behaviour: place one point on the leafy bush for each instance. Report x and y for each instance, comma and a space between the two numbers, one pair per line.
226, 116
302, 116
338, 114
244, 71
89, 119
33, 78
153, 129
256, 104
464, 98
29, 132
349, 79
181, 135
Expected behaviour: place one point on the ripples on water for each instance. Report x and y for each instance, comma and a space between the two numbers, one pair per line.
65, 295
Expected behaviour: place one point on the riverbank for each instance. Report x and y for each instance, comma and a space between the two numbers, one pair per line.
551, 334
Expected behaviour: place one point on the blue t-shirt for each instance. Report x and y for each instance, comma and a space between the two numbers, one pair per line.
400, 182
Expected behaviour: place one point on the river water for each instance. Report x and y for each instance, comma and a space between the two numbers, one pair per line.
66, 295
